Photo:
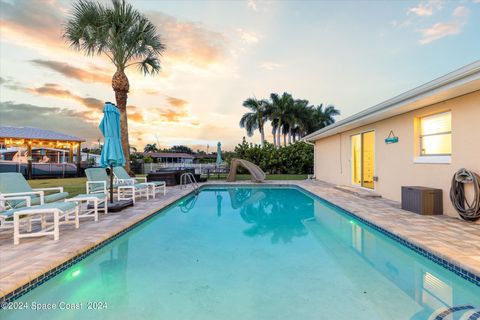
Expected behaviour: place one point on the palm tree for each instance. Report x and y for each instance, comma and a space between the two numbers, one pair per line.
328, 114
125, 36
280, 111
274, 123
298, 114
255, 119
322, 117
150, 147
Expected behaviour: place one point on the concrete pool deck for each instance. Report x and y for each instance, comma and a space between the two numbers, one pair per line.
451, 239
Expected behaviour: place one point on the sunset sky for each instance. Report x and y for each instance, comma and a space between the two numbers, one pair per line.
352, 54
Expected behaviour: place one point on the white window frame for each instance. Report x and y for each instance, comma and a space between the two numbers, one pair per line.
432, 158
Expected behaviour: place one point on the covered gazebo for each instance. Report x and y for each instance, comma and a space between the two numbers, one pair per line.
30, 137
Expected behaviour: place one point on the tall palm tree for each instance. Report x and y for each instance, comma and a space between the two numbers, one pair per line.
280, 111
323, 117
125, 36
255, 119
274, 123
298, 115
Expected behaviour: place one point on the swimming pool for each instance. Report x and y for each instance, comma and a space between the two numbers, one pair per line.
249, 253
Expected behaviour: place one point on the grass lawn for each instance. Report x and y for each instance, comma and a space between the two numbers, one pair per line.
76, 186
73, 186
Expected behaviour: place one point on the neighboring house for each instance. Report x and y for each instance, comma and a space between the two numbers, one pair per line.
438, 131
205, 158
170, 157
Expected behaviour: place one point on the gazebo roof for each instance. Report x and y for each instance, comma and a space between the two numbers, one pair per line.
35, 134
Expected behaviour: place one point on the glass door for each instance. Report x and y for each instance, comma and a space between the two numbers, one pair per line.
363, 159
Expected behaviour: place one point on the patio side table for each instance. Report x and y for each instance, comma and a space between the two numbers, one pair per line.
90, 204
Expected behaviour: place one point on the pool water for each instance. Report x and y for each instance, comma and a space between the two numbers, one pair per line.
250, 253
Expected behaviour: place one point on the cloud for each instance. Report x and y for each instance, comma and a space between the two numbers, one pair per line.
56, 91
41, 28
444, 29
51, 118
171, 115
73, 72
269, 65
135, 114
38, 25
461, 11
248, 36
252, 4
176, 102
189, 42
426, 8
175, 113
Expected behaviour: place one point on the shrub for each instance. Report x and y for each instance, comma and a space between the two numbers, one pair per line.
296, 158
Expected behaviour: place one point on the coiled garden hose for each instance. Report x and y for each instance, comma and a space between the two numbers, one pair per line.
469, 211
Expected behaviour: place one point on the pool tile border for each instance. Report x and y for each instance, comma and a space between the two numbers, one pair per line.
20, 291
17, 293
465, 274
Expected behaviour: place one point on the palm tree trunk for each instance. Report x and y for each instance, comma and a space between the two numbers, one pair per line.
284, 139
279, 134
121, 86
289, 136
274, 137
262, 136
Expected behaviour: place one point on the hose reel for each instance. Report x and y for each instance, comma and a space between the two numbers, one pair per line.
468, 210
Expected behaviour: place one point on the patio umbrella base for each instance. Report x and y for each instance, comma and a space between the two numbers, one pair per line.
116, 205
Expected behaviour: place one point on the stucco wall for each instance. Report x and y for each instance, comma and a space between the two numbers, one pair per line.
394, 163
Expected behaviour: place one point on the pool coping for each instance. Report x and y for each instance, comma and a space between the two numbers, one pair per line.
436, 257
81, 254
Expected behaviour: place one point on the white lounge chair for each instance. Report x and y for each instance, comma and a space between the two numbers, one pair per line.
122, 177
16, 207
98, 181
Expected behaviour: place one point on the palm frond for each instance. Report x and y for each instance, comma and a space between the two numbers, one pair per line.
119, 31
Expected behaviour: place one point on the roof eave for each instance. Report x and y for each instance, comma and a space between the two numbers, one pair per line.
462, 76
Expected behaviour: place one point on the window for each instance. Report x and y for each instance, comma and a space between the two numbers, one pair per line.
436, 135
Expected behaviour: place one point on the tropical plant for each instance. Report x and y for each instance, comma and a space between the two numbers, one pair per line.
180, 149
296, 158
150, 147
280, 112
125, 36
148, 159
321, 117
255, 119
292, 118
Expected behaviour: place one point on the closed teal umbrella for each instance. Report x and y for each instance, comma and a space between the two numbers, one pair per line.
219, 154
112, 152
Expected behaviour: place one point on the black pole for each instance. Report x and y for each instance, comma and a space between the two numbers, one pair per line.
29, 169
111, 184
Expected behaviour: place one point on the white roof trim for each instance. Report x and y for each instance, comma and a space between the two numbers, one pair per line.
459, 82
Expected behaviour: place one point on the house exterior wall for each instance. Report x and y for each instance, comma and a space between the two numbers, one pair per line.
394, 163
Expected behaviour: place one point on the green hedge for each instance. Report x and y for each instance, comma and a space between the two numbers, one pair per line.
296, 158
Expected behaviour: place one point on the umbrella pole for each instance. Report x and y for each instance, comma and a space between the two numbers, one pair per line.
111, 184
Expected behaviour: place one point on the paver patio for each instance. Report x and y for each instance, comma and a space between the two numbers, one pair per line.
449, 238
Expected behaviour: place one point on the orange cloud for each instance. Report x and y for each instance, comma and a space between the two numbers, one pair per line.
55, 90
41, 27
135, 114
33, 25
172, 115
75, 73
189, 42
176, 102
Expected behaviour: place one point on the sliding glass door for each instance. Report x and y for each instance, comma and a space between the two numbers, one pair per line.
363, 159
